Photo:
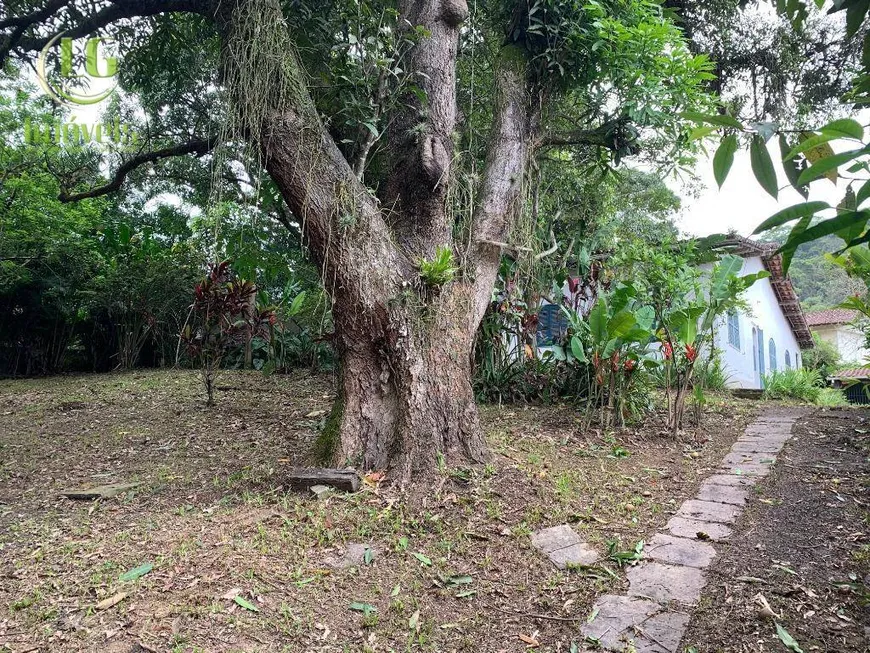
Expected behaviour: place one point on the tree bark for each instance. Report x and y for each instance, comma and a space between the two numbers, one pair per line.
406, 398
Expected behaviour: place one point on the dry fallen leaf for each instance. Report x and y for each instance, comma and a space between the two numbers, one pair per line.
105, 604
232, 594
531, 641
764, 610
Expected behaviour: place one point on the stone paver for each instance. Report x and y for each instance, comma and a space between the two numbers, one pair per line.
723, 494
709, 511
747, 469
661, 633
747, 458
563, 546
757, 446
555, 537
732, 480
665, 583
682, 527
679, 551
615, 616
353, 555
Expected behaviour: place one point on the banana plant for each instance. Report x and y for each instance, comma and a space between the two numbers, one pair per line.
686, 331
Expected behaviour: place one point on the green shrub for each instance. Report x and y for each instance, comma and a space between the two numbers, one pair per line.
712, 375
803, 385
831, 397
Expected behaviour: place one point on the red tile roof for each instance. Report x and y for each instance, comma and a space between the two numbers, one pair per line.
832, 316
857, 373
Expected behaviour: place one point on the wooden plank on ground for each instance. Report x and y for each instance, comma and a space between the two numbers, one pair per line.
303, 478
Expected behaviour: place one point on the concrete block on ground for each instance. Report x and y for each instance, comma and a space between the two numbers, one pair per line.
563, 546
664, 583
731, 494
679, 551
709, 511
691, 528
616, 618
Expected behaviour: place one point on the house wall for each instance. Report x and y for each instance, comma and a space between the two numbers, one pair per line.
764, 313
848, 340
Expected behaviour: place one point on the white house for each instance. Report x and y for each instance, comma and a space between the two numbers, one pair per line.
838, 326
770, 335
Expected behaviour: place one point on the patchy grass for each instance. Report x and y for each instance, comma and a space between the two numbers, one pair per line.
239, 564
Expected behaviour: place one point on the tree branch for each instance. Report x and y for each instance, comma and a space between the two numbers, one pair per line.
420, 139
196, 147
119, 9
611, 134
500, 197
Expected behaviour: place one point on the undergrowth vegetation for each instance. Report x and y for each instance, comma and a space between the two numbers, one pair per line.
805, 385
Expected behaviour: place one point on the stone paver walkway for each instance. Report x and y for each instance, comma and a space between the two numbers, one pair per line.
667, 584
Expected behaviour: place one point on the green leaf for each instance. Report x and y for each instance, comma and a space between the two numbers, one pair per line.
414, 621
577, 350
701, 132
426, 561
247, 605
791, 213
136, 572
863, 193
762, 166
787, 640
717, 119
823, 166
856, 11
844, 127
598, 322
724, 158
365, 608
296, 304
620, 324
368, 556
790, 166
796, 231
842, 222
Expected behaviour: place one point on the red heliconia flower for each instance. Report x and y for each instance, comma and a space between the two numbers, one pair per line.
691, 353
668, 352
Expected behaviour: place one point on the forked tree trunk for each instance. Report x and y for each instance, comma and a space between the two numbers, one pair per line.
405, 348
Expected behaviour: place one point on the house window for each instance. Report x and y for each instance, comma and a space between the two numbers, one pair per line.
787, 360
771, 345
734, 329
552, 325
754, 350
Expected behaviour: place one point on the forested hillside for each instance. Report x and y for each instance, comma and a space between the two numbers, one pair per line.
819, 283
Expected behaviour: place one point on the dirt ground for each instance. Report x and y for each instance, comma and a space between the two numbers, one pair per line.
241, 564
804, 546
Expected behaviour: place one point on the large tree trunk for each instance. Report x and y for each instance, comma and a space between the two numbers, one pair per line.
405, 396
